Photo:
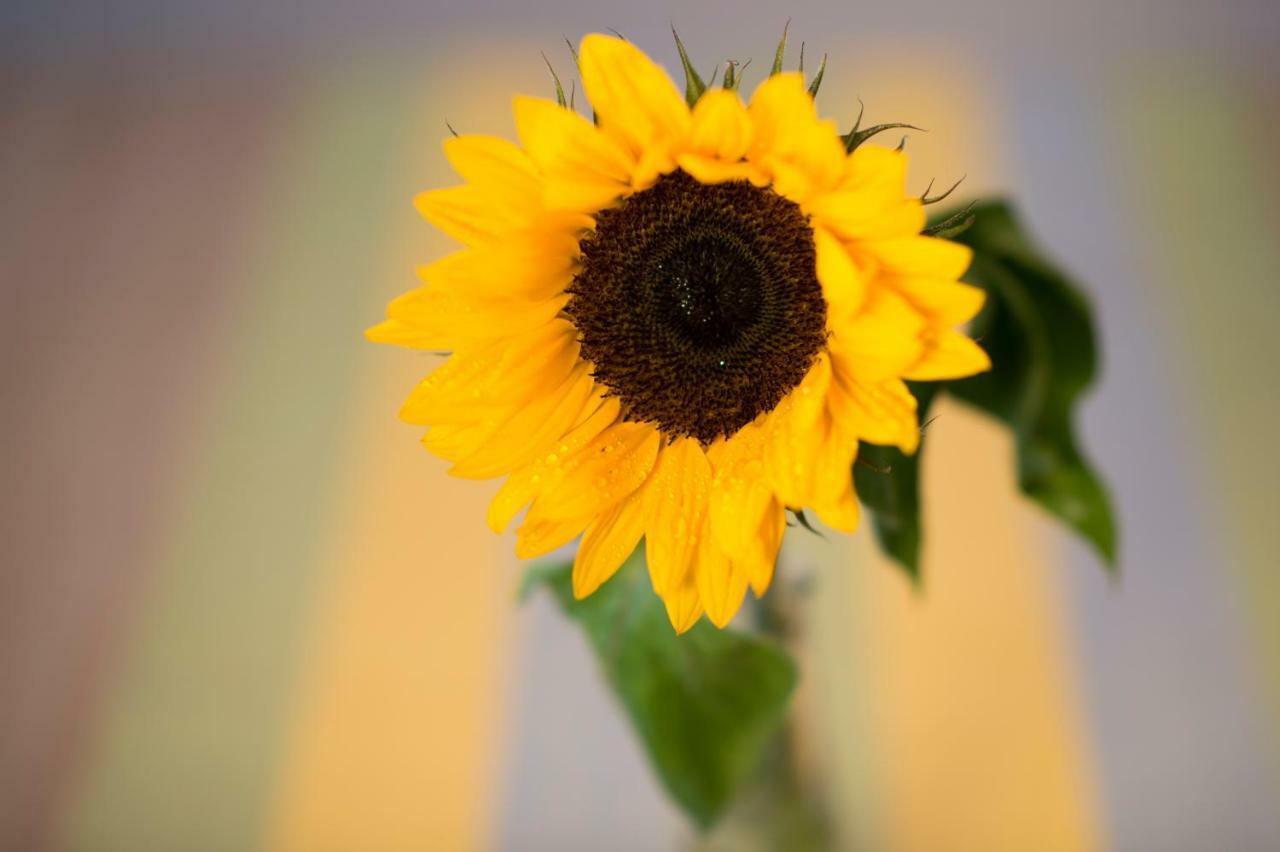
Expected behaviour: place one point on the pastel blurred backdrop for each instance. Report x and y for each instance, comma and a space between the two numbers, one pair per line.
240, 608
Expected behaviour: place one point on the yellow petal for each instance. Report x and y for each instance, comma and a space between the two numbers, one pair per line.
531, 429
493, 163
882, 412
794, 436
536, 263
743, 511
722, 585
920, 255
503, 374
711, 170
948, 303
607, 543
607, 469
760, 563
843, 285
949, 354
538, 537
582, 167
675, 509
802, 153
883, 340
428, 318
684, 606
635, 99
853, 216
870, 201
721, 128
838, 507
876, 173
472, 215
525, 485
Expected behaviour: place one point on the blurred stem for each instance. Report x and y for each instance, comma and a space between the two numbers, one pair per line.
782, 809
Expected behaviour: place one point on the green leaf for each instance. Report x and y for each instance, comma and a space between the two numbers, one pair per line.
1038, 329
693, 84
888, 483
705, 704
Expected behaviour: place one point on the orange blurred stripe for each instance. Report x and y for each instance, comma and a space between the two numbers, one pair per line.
395, 737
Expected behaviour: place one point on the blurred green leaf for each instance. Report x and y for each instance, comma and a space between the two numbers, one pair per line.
888, 483
705, 704
1038, 329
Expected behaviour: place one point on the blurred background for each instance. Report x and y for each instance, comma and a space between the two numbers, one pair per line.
240, 608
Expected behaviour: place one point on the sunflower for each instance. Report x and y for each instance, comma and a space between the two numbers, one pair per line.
675, 323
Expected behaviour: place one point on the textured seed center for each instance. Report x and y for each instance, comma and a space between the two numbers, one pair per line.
699, 306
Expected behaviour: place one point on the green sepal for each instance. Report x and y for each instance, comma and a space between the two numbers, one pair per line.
734, 74
817, 78
779, 54
1038, 329
705, 705
952, 226
856, 137
803, 520
927, 199
693, 84
560, 98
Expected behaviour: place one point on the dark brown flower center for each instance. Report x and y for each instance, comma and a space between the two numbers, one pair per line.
699, 305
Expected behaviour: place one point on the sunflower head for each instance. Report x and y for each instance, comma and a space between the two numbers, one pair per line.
677, 322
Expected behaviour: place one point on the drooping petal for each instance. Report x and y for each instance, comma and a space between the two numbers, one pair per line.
794, 434
759, 566
743, 511
538, 537
607, 543
523, 486
683, 603
472, 382
722, 584
531, 429
675, 509
635, 100
607, 469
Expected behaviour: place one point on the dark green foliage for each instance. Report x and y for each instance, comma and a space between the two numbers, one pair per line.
1038, 330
